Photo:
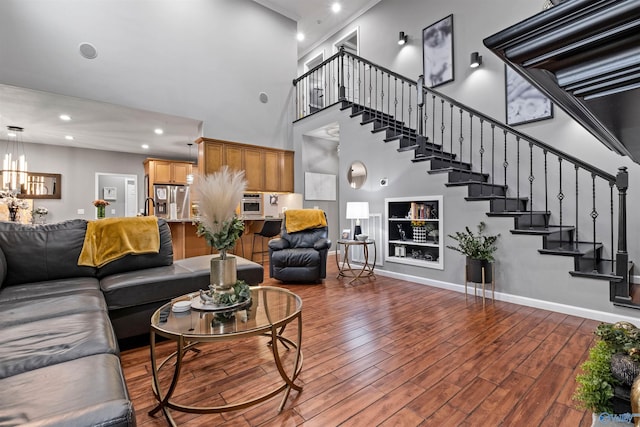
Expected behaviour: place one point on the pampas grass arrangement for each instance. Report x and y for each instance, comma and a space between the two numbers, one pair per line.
219, 194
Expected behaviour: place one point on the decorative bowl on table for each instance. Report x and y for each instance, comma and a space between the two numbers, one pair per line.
362, 237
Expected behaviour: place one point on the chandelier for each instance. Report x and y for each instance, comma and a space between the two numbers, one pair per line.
14, 165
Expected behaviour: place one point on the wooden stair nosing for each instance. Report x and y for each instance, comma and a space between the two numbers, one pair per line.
496, 198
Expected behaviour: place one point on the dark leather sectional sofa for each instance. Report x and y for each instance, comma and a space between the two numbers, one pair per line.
60, 322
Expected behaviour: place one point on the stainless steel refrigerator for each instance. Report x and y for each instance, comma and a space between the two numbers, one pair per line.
171, 201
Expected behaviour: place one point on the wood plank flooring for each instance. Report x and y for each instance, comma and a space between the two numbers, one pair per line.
387, 352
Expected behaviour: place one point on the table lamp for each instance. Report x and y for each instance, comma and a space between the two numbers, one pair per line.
357, 211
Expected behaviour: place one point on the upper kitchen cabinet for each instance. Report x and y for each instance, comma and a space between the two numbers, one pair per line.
167, 171
266, 169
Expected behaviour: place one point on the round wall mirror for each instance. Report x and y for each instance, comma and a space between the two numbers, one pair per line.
357, 174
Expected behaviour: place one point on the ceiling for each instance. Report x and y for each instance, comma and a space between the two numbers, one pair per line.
98, 125
315, 18
94, 125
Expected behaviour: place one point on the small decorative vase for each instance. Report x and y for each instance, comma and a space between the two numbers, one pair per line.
13, 214
223, 274
101, 211
420, 234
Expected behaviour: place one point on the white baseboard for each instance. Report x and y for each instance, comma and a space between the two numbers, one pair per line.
587, 313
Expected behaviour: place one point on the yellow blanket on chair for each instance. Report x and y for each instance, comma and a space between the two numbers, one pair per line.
109, 239
302, 219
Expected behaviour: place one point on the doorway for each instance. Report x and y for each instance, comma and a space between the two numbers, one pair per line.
120, 191
351, 44
316, 83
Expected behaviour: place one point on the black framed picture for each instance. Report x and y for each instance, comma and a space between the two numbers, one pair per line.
437, 52
525, 103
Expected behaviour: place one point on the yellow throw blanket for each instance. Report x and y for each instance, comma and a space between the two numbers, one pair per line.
109, 239
302, 219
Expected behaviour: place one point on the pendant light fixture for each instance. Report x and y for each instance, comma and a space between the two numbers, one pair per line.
14, 164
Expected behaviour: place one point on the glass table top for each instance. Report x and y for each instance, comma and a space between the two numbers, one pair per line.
269, 306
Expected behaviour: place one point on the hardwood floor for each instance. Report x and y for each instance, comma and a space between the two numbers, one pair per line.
391, 353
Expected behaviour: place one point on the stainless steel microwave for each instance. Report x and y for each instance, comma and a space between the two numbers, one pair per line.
251, 204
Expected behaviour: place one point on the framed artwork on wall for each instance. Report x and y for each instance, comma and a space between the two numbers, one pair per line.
437, 52
524, 102
110, 193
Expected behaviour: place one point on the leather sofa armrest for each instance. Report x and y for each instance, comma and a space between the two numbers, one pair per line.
322, 244
278, 244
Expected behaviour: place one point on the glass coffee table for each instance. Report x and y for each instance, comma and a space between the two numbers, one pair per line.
268, 313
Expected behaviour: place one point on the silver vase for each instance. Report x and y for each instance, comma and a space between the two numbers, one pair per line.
223, 274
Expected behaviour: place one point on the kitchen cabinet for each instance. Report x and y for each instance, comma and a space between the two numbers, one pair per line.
266, 169
167, 171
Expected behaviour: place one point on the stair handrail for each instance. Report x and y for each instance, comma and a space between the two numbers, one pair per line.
620, 180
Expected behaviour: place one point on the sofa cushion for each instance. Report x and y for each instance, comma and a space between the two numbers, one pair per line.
40, 308
41, 343
48, 288
89, 391
36, 253
134, 262
163, 283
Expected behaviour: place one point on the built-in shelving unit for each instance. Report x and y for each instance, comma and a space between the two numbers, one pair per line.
403, 244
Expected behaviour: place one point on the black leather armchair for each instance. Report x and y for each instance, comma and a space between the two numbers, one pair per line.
300, 256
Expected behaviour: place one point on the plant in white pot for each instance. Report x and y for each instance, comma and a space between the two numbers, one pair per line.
218, 196
479, 249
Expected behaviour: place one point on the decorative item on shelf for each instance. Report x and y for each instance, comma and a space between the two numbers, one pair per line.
39, 215
218, 196
403, 234
101, 206
13, 204
479, 249
420, 230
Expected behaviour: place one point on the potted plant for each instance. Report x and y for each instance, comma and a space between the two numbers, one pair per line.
613, 362
219, 195
479, 249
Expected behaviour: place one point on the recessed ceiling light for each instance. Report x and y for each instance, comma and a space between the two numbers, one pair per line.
65, 117
69, 138
300, 37
336, 7
145, 146
158, 131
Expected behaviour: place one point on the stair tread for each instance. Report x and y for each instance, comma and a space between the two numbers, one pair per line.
484, 184
571, 249
603, 272
541, 231
519, 213
474, 198
452, 169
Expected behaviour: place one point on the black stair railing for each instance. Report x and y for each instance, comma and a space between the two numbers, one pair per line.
513, 170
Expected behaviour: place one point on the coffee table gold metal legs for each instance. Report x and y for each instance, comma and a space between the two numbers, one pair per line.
183, 345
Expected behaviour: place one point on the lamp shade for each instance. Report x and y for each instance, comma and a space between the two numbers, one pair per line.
357, 210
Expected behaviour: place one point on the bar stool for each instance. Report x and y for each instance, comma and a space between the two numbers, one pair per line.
270, 228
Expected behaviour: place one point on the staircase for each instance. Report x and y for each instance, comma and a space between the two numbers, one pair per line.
495, 162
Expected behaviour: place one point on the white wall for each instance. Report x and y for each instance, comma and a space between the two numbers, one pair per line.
203, 59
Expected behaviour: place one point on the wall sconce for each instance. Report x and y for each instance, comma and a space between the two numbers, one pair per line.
402, 38
476, 60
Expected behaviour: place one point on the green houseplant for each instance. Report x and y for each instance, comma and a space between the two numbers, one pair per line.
615, 355
479, 249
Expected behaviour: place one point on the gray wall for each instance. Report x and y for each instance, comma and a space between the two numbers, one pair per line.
78, 168
522, 273
202, 59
